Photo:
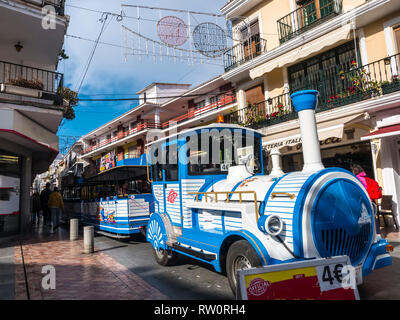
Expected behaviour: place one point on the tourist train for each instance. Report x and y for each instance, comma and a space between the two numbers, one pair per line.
117, 202
228, 213
203, 193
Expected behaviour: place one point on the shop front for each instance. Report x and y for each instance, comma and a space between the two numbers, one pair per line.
10, 186
340, 147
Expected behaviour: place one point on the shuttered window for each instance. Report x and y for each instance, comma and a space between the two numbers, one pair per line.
397, 36
255, 94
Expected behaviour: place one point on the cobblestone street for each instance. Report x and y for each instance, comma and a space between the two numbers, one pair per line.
78, 276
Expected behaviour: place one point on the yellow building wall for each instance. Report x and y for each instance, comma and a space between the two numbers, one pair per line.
375, 38
275, 83
270, 11
348, 5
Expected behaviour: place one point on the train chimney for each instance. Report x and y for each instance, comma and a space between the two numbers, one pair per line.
305, 102
276, 163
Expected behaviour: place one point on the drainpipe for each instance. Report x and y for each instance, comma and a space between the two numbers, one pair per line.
305, 102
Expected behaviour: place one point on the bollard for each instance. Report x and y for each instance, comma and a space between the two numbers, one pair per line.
74, 229
88, 239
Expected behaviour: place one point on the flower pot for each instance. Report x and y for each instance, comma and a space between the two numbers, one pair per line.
22, 91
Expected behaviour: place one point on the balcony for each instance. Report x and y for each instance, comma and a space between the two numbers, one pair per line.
20, 80
226, 100
140, 127
337, 88
59, 5
243, 52
309, 15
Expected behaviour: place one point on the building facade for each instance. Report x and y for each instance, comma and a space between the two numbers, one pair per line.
348, 50
31, 102
165, 108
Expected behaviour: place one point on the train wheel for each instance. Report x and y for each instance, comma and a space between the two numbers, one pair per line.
241, 255
157, 236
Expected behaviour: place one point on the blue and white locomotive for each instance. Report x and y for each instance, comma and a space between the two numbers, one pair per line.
214, 203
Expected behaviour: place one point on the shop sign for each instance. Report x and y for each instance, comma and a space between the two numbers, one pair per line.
284, 143
297, 142
327, 141
316, 279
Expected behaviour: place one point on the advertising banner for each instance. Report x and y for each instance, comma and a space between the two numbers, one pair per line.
316, 279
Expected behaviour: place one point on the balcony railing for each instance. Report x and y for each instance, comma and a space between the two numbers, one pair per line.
243, 52
226, 100
336, 88
271, 111
140, 127
49, 82
306, 17
59, 5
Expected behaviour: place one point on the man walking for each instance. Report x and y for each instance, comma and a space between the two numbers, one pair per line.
44, 199
56, 205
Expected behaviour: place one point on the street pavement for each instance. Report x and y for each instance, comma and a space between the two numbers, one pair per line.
189, 279
127, 270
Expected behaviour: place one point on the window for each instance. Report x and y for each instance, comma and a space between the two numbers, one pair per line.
321, 72
134, 124
255, 95
5, 194
171, 169
397, 37
200, 104
215, 152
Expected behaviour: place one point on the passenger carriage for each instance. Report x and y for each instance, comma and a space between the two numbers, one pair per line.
214, 203
117, 202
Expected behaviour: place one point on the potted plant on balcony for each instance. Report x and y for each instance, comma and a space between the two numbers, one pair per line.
23, 87
360, 85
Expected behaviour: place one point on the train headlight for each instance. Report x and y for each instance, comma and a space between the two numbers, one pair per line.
271, 224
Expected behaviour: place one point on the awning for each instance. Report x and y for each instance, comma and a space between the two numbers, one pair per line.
383, 132
334, 37
328, 129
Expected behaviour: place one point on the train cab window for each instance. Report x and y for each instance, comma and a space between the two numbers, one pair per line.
171, 168
215, 153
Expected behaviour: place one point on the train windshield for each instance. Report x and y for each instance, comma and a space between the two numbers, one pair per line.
216, 150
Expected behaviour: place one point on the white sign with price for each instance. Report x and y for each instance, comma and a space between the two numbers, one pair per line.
338, 274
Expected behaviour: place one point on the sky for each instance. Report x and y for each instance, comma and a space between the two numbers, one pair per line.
111, 73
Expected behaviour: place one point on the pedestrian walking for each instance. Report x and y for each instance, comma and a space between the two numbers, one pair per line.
56, 206
373, 189
44, 199
36, 207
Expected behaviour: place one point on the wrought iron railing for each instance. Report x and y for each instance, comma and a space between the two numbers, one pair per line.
273, 110
307, 16
140, 127
29, 77
223, 101
337, 88
59, 5
243, 52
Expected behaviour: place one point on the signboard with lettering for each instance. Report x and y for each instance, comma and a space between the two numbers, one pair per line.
316, 279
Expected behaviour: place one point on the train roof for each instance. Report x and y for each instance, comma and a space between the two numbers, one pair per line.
210, 126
